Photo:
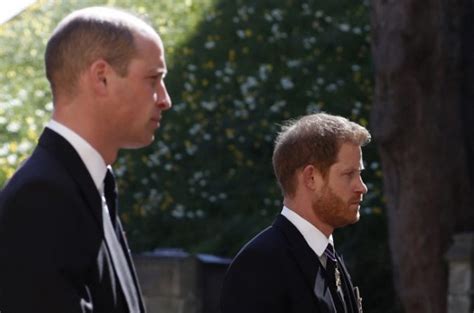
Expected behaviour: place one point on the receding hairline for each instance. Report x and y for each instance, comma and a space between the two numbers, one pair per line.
135, 24
108, 14
94, 23
138, 27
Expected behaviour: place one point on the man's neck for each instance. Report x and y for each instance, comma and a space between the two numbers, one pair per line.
88, 131
305, 210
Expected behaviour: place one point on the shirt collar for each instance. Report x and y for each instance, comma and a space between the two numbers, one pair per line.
316, 240
92, 159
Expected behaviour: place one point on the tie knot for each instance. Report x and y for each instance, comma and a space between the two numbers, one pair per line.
109, 181
329, 252
110, 191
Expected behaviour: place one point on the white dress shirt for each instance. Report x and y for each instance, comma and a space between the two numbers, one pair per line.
316, 240
92, 159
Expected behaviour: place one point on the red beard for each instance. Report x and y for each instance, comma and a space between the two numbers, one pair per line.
333, 211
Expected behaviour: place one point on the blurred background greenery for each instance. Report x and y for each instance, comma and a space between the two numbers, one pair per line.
237, 69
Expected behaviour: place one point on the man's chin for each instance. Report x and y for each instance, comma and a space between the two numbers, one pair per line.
357, 217
353, 219
346, 221
139, 144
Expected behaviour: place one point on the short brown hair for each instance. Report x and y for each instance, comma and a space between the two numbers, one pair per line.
312, 139
85, 36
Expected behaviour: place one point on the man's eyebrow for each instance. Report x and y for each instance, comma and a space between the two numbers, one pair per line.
158, 74
158, 70
354, 169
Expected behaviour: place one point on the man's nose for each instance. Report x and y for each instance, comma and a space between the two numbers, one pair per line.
163, 100
361, 186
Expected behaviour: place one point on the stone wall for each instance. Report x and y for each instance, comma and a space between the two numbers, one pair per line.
461, 264
173, 281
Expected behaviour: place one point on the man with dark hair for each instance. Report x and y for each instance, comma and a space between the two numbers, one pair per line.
292, 266
62, 246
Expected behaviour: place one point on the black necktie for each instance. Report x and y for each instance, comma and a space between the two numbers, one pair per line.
110, 192
334, 279
116, 250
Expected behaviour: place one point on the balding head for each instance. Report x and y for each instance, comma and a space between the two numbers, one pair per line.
88, 35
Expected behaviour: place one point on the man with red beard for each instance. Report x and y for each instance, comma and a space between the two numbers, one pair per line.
292, 266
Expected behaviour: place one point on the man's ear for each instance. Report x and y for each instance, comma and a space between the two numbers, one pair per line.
312, 178
98, 75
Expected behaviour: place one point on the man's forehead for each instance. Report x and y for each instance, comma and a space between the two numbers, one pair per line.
346, 166
350, 155
150, 52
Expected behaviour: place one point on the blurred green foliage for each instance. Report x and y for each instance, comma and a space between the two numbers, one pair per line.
237, 69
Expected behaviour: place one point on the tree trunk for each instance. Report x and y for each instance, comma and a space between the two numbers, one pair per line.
422, 122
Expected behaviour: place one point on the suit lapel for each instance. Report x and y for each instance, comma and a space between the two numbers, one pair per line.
349, 288
308, 262
64, 152
322, 292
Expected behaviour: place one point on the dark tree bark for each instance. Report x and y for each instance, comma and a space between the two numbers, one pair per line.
423, 124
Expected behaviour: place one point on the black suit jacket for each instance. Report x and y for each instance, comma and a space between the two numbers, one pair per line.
53, 257
278, 272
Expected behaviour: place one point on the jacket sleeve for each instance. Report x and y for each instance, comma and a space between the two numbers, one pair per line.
36, 228
253, 284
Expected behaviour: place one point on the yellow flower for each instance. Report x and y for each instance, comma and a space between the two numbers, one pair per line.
231, 55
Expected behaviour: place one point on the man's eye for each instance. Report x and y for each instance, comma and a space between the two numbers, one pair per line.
351, 174
154, 80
